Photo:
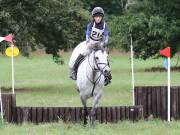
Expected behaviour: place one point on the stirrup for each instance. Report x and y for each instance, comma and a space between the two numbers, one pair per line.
73, 75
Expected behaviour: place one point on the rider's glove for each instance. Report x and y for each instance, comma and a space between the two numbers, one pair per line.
102, 44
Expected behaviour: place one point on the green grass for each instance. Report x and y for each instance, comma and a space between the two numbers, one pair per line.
155, 127
40, 82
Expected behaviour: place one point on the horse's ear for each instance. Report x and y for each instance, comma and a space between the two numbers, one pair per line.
102, 48
105, 49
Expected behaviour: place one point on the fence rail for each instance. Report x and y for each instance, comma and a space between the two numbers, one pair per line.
20, 114
9, 106
74, 114
154, 101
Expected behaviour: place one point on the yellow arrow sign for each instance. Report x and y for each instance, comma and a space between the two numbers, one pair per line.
12, 51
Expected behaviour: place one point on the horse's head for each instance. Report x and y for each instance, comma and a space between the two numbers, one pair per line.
101, 61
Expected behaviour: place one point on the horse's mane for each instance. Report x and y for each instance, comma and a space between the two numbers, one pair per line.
97, 48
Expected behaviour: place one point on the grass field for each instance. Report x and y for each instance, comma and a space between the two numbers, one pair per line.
155, 127
40, 82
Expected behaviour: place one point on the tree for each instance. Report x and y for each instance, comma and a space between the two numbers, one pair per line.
111, 7
53, 25
154, 26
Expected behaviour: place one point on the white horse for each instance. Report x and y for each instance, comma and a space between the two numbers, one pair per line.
90, 78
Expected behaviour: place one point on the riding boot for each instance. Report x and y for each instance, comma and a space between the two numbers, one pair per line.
75, 67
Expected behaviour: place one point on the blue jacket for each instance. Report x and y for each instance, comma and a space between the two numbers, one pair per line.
99, 26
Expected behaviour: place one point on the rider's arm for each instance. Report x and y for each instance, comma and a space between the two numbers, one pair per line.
88, 32
106, 34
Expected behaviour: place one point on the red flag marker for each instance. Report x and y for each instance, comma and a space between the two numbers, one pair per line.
9, 38
166, 52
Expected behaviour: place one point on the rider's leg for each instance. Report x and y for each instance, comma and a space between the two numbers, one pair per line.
75, 67
77, 62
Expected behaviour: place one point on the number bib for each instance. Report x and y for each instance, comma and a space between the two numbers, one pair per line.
97, 34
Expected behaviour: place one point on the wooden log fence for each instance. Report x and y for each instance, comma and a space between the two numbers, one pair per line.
154, 101
20, 114
74, 114
9, 106
150, 101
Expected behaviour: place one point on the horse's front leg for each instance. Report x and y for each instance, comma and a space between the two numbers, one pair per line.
84, 112
96, 99
92, 116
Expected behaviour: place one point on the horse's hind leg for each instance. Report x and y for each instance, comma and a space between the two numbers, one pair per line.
85, 112
93, 110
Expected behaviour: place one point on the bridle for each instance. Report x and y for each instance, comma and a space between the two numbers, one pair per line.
95, 82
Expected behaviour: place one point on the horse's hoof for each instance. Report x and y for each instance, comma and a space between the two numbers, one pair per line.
84, 125
91, 122
92, 126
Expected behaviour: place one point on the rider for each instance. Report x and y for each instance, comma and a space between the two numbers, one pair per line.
97, 33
